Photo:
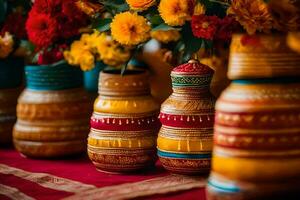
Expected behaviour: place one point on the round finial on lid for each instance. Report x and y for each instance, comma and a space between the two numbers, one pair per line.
193, 67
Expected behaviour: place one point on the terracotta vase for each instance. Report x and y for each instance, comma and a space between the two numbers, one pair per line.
187, 116
52, 112
11, 74
257, 126
124, 124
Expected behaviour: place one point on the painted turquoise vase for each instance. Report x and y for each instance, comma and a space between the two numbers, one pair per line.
52, 112
11, 77
91, 77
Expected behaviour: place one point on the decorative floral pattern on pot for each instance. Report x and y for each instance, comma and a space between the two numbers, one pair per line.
124, 124
187, 117
52, 112
257, 126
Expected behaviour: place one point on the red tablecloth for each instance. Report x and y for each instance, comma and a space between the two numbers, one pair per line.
77, 178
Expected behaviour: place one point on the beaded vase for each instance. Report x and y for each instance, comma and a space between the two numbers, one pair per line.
124, 124
187, 117
52, 112
257, 127
11, 74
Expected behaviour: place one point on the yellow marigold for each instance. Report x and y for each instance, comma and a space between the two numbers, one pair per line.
199, 9
110, 51
80, 54
140, 4
286, 14
129, 28
253, 15
6, 45
174, 12
165, 36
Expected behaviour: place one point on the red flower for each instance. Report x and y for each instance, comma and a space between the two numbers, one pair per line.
54, 55
41, 29
227, 26
11, 27
204, 26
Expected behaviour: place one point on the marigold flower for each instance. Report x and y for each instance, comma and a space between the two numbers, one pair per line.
111, 52
6, 45
140, 4
129, 28
253, 15
165, 36
286, 14
41, 29
204, 26
293, 41
199, 9
174, 12
89, 7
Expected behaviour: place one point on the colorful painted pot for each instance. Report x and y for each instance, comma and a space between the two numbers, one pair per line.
52, 112
257, 128
187, 116
124, 124
11, 74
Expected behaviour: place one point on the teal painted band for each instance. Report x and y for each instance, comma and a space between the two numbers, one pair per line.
183, 156
11, 72
222, 187
282, 80
58, 77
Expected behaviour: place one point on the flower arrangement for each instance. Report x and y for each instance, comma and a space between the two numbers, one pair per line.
51, 26
190, 25
12, 36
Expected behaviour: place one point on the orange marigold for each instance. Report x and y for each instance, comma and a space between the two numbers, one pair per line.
165, 36
140, 4
130, 29
253, 15
174, 12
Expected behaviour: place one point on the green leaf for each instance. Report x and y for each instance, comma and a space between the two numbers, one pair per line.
191, 43
102, 24
2, 10
156, 20
164, 27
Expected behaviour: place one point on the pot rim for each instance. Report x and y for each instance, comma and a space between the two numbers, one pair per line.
128, 72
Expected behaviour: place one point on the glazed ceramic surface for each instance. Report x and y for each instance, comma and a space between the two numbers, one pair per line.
52, 113
257, 132
11, 73
262, 56
187, 117
124, 124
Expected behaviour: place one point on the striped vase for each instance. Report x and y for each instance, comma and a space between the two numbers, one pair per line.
256, 151
52, 112
11, 74
187, 116
124, 124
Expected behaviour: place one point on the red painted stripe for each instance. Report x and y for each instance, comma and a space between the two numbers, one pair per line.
187, 121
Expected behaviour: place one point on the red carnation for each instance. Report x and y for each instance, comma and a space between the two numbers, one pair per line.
41, 29
204, 26
51, 56
226, 27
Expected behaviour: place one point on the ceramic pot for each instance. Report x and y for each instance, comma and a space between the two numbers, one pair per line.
52, 112
124, 124
11, 74
257, 126
187, 116
91, 77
